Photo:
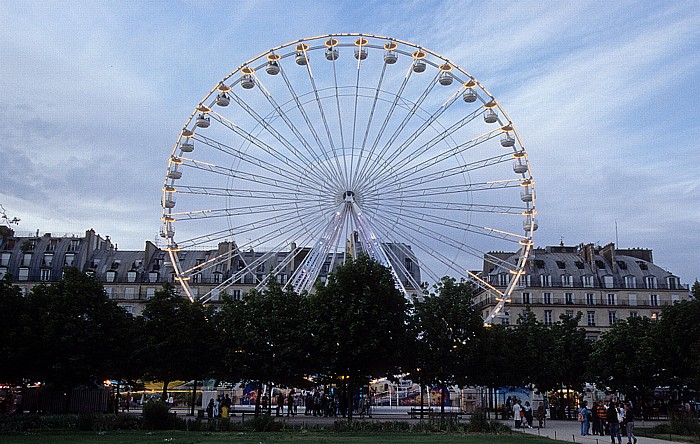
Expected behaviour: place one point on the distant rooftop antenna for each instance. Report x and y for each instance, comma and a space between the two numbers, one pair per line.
617, 241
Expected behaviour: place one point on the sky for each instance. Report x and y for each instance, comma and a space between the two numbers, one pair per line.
605, 96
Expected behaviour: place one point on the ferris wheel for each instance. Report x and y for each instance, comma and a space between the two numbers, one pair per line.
331, 146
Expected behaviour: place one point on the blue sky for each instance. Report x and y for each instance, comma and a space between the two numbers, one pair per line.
605, 96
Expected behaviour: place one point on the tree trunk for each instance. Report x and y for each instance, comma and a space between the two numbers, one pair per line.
116, 397
442, 400
351, 396
257, 399
421, 398
194, 396
164, 394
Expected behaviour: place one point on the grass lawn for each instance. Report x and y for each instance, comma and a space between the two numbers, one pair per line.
256, 438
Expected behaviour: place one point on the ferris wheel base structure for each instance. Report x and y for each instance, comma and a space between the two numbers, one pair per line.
340, 144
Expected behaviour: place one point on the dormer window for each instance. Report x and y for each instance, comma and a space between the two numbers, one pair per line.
153, 276
545, 280
131, 276
587, 281
672, 282
630, 282
608, 281
567, 280
111, 276
561, 265
600, 264
650, 281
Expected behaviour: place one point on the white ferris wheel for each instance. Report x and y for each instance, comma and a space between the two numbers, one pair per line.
333, 145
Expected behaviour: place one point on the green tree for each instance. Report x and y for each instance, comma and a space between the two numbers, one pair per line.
14, 331
568, 356
447, 327
264, 337
678, 340
77, 335
176, 338
360, 325
623, 358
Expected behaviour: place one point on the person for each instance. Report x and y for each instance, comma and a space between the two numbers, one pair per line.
228, 403
217, 404
613, 424
128, 401
509, 405
210, 408
527, 415
517, 410
291, 403
602, 413
583, 417
280, 405
541, 414
629, 423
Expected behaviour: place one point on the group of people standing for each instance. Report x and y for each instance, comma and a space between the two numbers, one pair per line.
608, 419
219, 407
523, 414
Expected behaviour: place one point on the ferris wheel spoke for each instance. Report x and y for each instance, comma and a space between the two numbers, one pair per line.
257, 160
447, 189
410, 139
325, 124
231, 211
456, 206
336, 174
441, 222
384, 125
371, 116
396, 133
254, 194
299, 136
446, 242
451, 172
408, 169
266, 223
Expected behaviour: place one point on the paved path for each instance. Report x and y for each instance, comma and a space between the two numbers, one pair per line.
570, 431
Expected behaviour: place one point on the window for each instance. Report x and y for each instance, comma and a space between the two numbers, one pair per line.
650, 281
153, 276
281, 279
567, 280
261, 268
216, 277
73, 245
408, 263
590, 298
45, 274
630, 282
69, 259
622, 265
569, 297
546, 298
503, 279
48, 259
654, 316
548, 317
611, 299
110, 276
545, 280
214, 294
129, 293
131, 276
587, 281
525, 280
23, 274
608, 281
150, 292
236, 295
672, 282
5, 259
632, 298
675, 298
526, 298
634, 314
569, 314
654, 300
128, 308
109, 291
591, 318
579, 265
241, 264
26, 259
197, 278
561, 265
600, 264
612, 317
642, 265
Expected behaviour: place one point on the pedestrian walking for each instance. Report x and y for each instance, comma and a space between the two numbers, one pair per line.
583, 413
613, 422
517, 414
629, 424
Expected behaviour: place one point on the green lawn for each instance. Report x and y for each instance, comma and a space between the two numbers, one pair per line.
256, 438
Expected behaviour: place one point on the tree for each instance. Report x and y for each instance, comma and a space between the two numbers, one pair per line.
14, 331
448, 328
76, 334
623, 358
569, 354
264, 337
678, 340
359, 322
176, 338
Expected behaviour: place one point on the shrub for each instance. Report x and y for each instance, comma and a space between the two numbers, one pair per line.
157, 416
